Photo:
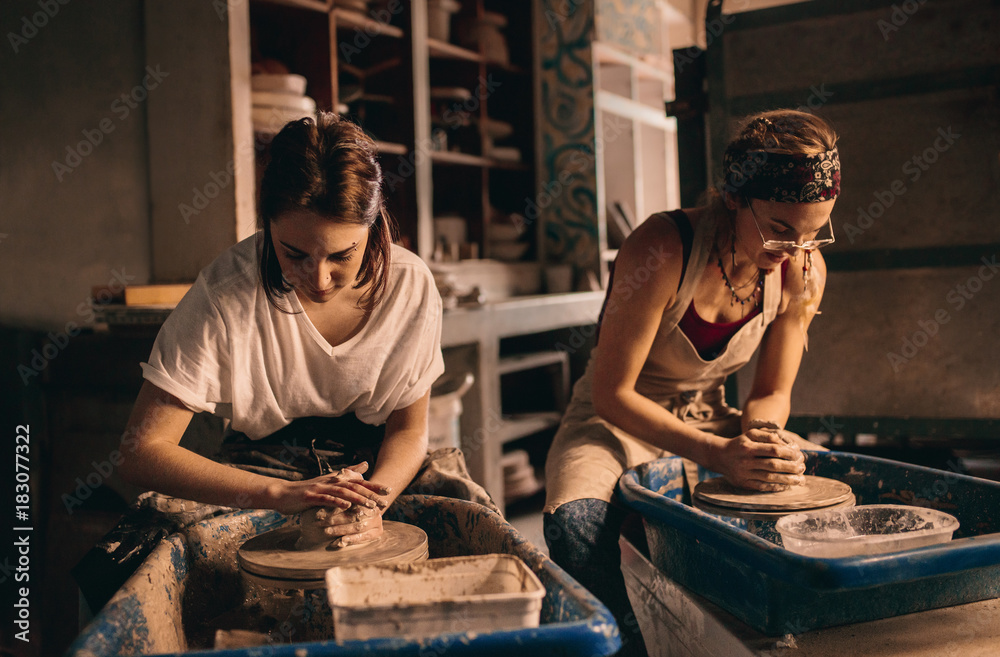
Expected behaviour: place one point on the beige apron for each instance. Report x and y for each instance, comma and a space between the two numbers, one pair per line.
589, 454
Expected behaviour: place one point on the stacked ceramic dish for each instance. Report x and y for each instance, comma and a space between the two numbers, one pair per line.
493, 131
279, 98
519, 478
504, 232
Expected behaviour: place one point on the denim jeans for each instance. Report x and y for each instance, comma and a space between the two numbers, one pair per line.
582, 537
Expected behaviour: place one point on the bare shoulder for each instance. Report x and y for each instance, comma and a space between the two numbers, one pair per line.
652, 259
803, 291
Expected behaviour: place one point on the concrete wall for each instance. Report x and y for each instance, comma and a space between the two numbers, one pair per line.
918, 119
685, 19
87, 223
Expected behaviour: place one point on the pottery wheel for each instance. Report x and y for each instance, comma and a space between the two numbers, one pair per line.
816, 492
273, 554
770, 516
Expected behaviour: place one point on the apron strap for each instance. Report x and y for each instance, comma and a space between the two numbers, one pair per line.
704, 232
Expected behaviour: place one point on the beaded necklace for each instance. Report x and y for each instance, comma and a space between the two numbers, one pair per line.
752, 297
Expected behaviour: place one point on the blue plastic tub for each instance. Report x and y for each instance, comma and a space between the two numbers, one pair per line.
194, 576
743, 569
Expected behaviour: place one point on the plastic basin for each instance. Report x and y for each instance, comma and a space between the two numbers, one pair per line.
871, 529
191, 577
744, 570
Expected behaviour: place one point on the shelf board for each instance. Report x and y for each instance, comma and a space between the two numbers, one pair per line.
312, 5
356, 20
521, 362
507, 164
465, 159
645, 70
390, 148
630, 109
525, 424
445, 50
507, 68
451, 157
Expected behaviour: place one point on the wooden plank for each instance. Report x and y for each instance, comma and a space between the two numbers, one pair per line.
312, 5
155, 295
799, 12
630, 109
444, 50
526, 424
451, 157
390, 148
646, 70
351, 20
524, 315
522, 362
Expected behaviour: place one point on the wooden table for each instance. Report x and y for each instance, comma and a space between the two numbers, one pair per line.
679, 623
483, 327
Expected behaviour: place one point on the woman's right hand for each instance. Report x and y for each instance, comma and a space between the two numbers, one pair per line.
339, 528
338, 490
760, 460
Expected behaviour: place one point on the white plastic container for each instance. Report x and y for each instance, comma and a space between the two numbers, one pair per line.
445, 411
457, 594
862, 530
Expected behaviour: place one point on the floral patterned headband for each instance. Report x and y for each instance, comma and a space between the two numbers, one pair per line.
783, 177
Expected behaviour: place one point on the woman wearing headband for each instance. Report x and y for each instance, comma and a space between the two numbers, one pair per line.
693, 294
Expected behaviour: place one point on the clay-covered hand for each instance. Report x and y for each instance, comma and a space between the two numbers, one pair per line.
339, 490
339, 527
761, 460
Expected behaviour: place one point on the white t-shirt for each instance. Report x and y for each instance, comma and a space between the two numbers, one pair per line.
226, 350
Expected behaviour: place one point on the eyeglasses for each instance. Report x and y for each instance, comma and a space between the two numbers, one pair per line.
778, 245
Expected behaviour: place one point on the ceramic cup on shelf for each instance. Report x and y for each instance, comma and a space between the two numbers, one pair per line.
484, 34
439, 18
558, 279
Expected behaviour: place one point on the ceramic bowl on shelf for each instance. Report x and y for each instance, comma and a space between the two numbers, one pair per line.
284, 101
452, 229
508, 250
496, 129
283, 83
504, 232
460, 94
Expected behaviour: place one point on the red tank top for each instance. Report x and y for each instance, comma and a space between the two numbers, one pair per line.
708, 338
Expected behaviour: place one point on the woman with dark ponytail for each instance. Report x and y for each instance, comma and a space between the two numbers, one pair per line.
317, 338
693, 294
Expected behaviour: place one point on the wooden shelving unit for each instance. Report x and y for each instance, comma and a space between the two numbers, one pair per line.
381, 66
633, 167
355, 20
445, 50
519, 426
